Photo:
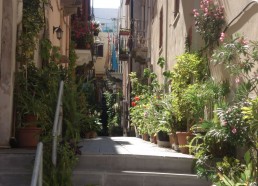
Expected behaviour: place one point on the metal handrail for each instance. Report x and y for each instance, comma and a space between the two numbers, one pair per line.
37, 175
57, 128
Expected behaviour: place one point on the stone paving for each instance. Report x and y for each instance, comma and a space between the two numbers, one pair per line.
126, 146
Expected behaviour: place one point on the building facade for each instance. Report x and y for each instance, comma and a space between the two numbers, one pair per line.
56, 15
161, 28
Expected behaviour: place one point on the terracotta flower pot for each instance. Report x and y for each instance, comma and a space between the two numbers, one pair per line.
29, 136
145, 137
173, 141
182, 141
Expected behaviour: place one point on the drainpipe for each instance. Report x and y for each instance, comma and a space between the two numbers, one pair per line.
166, 51
129, 67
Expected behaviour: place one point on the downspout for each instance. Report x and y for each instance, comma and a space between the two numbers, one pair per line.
166, 51
127, 119
130, 65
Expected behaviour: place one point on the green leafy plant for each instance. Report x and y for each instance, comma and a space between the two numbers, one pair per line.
32, 24
237, 174
189, 69
239, 57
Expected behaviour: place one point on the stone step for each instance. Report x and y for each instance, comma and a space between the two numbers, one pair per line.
16, 167
17, 161
134, 178
15, 177
136, 163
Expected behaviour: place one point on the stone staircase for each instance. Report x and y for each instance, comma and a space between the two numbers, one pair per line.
16, 167
135, 170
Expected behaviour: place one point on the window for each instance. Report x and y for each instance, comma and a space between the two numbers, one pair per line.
161, 28
176, 8
99, 50
154, 9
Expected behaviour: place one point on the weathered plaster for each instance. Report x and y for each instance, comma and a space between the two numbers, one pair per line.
7, 62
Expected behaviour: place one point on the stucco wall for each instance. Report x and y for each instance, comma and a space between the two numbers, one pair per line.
7, 63
157, 52
100, 62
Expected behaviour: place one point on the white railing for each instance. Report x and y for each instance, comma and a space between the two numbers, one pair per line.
37, 175
120, 67
57, 128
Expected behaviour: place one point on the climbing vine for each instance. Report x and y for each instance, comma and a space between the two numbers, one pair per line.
32, 23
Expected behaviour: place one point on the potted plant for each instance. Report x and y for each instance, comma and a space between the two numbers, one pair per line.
186, 76
29, 105
168, 121
90, 124
95, 26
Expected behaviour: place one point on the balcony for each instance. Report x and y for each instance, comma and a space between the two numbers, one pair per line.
70, 6
116, 75
124, 32
123, 56
140, 54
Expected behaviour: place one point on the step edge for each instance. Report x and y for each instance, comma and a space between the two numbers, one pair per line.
189, 157
137, 173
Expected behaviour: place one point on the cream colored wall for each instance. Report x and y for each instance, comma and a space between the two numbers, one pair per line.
155, 50
174, 33
178, 29
56, 18
7, 67
244, 25
100, 62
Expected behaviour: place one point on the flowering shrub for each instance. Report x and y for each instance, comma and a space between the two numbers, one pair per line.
234, 125
239, 57
81, 33
209, 21
95, 27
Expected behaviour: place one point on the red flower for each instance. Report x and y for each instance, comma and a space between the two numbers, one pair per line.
136, 98
133, 104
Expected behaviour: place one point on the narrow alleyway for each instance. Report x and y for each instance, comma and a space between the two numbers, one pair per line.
130, 161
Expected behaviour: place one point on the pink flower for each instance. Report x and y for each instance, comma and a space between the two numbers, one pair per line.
222, 36
234, 130
196, 14
223, 122
237, 80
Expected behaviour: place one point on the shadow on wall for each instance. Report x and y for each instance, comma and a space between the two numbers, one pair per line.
244, 18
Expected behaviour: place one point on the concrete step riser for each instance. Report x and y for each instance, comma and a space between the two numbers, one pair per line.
16, 161
135, 163
20, 179
127, 179
16, 169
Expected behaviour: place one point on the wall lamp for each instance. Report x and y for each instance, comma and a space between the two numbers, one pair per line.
59, 32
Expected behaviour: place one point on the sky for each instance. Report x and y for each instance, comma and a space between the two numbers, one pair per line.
106, 3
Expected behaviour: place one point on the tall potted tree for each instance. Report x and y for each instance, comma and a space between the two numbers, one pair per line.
189, 70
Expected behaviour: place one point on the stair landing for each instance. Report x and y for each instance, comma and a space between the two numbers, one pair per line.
126, 146
130, 161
